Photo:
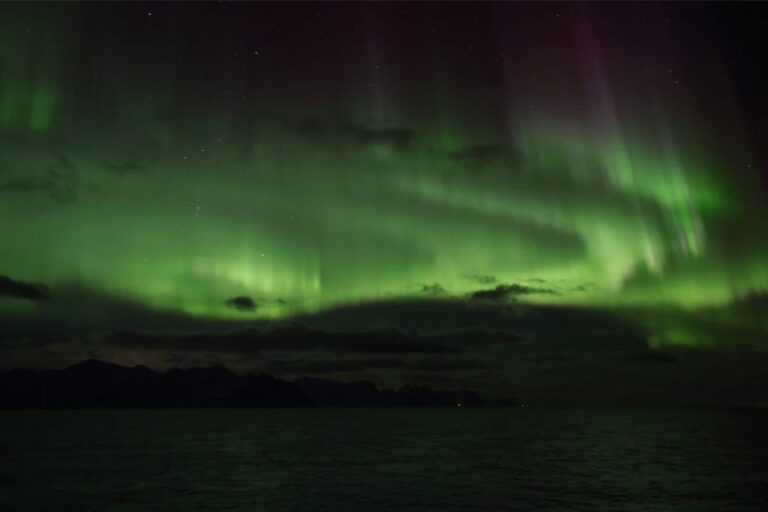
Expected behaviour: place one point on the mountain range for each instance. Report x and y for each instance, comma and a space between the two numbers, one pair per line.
98, 384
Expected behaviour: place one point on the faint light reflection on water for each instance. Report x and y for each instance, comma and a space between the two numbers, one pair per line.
383, 459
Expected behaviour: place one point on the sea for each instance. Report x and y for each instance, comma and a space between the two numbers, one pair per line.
518, 459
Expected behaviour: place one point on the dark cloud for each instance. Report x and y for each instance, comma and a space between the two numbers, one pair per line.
454, 317
56, 190
22, 290
58, 180
355, 364
437, 379
293, 337
433, 289
478, 336
652, 356
399, 138
349, 364
482, 279
242, 303
79, 312
509, 291
546, 358
297, 337
584, 288
752, 300
444, 364
396, 137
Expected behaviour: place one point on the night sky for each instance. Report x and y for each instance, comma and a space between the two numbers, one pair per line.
563, 202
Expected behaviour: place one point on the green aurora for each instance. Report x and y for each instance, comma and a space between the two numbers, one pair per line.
177, 164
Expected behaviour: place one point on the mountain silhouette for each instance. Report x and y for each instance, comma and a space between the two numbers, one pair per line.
98, 384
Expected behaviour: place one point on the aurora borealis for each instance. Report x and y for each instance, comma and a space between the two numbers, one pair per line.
306, 157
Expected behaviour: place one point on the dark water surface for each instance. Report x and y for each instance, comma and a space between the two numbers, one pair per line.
384, 459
